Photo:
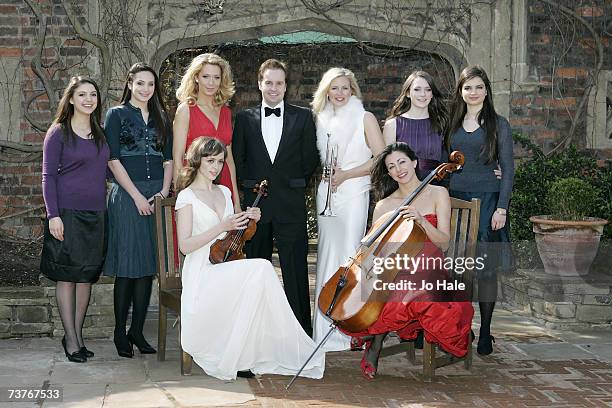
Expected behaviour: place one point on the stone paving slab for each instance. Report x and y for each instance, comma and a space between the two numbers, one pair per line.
136, 396
207, 391
79, 396
98, 372
532, 366
603, 351
556, 352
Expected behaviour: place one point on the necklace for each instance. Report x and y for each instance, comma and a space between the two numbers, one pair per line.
82, 132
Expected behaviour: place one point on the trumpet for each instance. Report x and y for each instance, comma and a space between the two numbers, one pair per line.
331, 160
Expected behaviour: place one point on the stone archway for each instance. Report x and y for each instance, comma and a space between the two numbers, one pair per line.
380, 77
447, 50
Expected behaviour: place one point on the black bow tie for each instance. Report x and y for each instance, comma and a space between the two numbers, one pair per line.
270, 111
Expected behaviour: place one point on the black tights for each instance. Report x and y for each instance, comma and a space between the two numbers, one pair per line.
73, 301
487, 295
135, 292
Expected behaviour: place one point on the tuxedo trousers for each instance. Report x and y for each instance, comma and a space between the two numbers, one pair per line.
291, 240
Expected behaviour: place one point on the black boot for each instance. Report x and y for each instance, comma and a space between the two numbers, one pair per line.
142, 296
122, 300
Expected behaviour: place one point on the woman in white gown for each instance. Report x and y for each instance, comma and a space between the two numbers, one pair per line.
340, 114
234, 315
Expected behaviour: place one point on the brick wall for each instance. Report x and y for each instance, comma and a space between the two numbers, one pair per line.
20, 182
380, 78
20, 191
561, 58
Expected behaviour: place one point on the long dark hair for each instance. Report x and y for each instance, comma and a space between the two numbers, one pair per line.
382, 183
438, 114
200, 148
65, 112
156, 105
487, 117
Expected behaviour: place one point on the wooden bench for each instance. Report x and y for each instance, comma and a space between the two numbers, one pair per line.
465, 216
169, 277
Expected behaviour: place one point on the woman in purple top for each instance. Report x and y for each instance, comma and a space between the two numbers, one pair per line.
418, 118
485, 138
75, 155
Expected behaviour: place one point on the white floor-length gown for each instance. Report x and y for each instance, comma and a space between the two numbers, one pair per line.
234, 315
339, 237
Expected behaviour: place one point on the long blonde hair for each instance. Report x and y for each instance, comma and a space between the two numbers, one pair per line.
319, 98
188, 89
201, 147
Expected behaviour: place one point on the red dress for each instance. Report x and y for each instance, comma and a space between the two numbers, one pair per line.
201, 125
444, 322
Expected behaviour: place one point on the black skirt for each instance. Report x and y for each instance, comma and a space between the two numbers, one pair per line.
80, 256
493, 246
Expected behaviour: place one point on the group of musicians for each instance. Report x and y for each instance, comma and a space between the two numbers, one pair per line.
237, 318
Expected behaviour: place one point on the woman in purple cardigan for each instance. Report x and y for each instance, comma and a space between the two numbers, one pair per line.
75, 156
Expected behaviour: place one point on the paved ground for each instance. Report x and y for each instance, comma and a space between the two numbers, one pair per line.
531, 367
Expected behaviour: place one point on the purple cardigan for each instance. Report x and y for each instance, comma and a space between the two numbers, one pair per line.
73, 174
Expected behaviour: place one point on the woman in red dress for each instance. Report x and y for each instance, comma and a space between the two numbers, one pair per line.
444, 322
204, 92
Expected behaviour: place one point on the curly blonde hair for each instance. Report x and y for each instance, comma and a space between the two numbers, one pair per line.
319, 98
188, 89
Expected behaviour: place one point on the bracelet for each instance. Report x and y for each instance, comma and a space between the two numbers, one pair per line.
161, 194
501, 211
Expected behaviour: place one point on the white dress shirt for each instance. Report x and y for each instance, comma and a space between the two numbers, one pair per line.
272, 128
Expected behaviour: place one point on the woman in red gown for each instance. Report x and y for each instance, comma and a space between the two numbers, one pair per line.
204, 92
444, 321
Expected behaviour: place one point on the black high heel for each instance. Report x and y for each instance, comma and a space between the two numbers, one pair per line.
485, 346
87, 353
141, 344
123, 346
75, 357
245, 374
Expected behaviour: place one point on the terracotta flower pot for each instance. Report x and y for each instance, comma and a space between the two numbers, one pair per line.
567, 248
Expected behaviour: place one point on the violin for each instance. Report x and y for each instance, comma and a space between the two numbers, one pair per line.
230, 247
349, 298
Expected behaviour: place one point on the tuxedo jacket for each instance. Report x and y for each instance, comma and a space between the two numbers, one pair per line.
296, 159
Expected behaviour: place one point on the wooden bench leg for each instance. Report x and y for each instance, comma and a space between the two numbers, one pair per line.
186, 363
186, 359
161, 332
467, 363
429, 360
410, 352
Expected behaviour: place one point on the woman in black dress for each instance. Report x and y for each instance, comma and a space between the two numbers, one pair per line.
140, 138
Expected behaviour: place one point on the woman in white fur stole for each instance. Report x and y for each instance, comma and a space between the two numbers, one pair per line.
342, 121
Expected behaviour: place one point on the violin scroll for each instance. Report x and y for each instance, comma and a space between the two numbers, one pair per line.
261, 188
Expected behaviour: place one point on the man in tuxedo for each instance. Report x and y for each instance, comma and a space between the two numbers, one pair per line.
276, 141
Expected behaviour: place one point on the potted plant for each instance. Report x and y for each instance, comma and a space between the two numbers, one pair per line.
567, 239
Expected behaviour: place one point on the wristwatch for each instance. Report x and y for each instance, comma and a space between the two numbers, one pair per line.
500, 211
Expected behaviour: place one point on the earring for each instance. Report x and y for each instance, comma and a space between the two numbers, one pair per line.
197, 81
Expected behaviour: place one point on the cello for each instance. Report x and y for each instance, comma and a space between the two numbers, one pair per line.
229, 248
349, 298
